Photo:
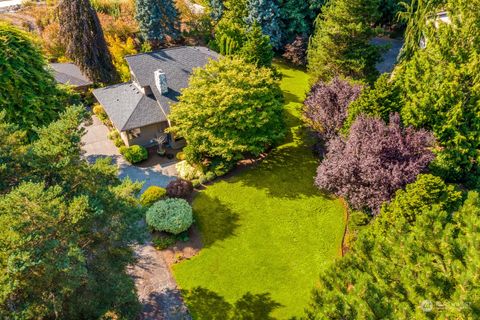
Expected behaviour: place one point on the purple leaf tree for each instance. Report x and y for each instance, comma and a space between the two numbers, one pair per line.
375, 160
326, 106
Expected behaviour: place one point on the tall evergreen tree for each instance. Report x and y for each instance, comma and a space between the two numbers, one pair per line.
267, 14
158, 19
296, 19
29, 96
341, 42
85, 42
66, 228
257, 49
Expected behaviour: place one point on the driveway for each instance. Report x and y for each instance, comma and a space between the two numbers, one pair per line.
97, 145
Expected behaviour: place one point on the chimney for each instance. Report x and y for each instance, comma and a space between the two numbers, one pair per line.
161, 81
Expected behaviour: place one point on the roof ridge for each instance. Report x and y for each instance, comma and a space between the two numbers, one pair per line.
166, 49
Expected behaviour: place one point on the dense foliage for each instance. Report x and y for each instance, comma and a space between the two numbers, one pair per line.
134, 154
257, 49
28, 96
441, 91
267, 14
231, 108
341, 44
170, 215
380, 100
423, 264
326, 106
152, 195
65, 228
296, 52
158, 19
374, 161
85, 43
179, 188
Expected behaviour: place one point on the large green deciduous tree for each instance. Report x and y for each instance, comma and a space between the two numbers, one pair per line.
231, 108
341, 44
158, 19
83, 35
423, 264
65, 228
29, 96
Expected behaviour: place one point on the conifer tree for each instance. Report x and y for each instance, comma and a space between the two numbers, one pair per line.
341, 44
85, 42
158, 19
216, 9
267, 14
257, 48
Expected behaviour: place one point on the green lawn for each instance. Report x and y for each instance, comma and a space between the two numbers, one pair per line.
267, 231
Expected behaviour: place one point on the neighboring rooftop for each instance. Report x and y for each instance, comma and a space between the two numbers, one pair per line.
129, 108
69, 73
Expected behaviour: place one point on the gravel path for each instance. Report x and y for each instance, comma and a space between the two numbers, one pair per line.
157, 290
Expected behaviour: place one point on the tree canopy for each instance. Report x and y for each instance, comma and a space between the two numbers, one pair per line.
421, 265
158, 19
65, 228
29, 96
230, 108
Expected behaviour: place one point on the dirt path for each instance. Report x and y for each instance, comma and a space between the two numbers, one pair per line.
157, 290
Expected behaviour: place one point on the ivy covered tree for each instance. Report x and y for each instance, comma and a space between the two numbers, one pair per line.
417, 266
326, 106
84, 40
66, 228
158, 19
441, 92
341, 44
29, 96
231, 108
374, 161
267, 14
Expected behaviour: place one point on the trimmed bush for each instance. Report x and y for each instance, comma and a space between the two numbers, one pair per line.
187, 171
181, 156
179, 188
210, 176
196, 183
134, 154
119, 143
171, 215
100, 113
152, 195
114, 135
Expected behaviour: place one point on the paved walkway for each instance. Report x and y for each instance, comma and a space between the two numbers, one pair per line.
156, 287
390, 57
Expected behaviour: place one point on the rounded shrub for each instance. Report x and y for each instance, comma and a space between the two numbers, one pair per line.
179, 188
210, 176
171, 215
134, 154
113, 135
152, 195
100, 112
118, 142
181, 156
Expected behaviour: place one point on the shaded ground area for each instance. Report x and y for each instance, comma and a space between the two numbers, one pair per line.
267, 231
390, 57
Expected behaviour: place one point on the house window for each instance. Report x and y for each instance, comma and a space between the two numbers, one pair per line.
134, 133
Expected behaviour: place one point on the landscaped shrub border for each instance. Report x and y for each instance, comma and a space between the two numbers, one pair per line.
134, 154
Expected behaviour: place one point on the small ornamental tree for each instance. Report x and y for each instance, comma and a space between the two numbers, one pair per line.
158, 19
374, 161
179, 188
231, 108
257, 48
84, 40
171, 215
267, 14
296, 52
326, 105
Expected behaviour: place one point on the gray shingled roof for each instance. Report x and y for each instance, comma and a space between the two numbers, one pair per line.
128, 108
69, 73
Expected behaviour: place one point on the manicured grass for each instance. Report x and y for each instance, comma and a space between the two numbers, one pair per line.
267, 231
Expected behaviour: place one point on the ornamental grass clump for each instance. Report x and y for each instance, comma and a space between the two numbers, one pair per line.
172, 215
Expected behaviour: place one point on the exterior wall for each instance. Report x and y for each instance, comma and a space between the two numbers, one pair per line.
147, 133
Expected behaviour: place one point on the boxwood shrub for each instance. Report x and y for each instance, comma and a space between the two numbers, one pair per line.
171, 215
134, 154
152, 195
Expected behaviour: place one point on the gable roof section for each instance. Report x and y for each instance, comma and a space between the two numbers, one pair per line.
127, 107
69, 73
177, 63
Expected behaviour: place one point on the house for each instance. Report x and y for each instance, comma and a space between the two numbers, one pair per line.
139, 109
70, 74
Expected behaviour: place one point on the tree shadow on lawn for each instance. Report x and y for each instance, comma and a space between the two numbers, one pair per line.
220, 220
206, 304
